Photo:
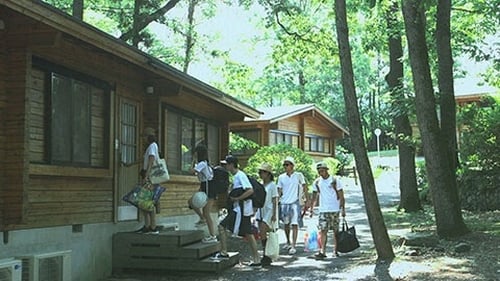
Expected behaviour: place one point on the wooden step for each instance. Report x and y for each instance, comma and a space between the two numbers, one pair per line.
167, 264
158, 250
172, 238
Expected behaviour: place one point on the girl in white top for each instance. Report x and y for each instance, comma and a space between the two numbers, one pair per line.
204, 173
150, 156
267, 215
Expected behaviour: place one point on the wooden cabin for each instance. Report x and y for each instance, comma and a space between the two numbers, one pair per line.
303, 126
74, 102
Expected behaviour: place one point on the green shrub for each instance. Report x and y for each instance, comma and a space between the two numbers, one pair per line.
422, 182
274, 155
343, 156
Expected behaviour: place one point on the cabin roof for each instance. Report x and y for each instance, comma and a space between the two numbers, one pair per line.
277, 113
63, 22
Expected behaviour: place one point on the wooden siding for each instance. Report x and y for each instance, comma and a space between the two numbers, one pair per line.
291, 124
314, 126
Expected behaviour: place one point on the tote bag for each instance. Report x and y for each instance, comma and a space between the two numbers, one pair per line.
272, 245
346, 239
159, 172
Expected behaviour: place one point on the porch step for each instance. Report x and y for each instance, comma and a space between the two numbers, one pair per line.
175, 250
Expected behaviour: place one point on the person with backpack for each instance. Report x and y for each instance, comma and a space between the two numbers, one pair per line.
205, 173
331, 204
268, 214
240, 211
291, 186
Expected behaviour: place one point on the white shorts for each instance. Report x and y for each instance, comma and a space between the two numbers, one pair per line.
290, 213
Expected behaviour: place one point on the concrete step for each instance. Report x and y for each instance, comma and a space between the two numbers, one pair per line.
158, 250
171, 238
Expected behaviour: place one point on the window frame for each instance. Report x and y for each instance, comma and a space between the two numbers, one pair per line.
51, 70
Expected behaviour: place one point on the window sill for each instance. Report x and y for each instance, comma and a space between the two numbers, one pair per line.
51, 170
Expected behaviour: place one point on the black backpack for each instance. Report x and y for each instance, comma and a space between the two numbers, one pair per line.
220, 181
259, 193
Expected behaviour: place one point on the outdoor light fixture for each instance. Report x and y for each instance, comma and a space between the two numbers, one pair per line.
150, 90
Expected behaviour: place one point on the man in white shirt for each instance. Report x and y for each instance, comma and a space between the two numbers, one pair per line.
291, 186
331, 203
238, 220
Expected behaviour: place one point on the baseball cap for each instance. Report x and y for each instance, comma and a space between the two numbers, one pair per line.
321, 165
230, 159
290, 160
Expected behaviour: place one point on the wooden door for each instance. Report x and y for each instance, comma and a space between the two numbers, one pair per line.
128, 155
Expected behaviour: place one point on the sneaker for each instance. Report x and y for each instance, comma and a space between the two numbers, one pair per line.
200, 223
255, 264
209, 239
292, 251
143, 229
287, 247
320, 256
219, 256
265, 261
335, 254
155, 230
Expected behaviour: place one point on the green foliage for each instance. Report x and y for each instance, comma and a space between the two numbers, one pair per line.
274, 155
238, 144
343, 156
480, 139
333, 164
422, 182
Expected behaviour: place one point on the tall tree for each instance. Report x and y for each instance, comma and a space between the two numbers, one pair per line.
442, 179
409, 198
375, 219
445, 81
78, 9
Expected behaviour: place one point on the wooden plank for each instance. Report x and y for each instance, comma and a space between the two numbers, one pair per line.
160, 250
176, 238
121, 263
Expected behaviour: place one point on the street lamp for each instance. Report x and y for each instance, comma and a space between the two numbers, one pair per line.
377, 133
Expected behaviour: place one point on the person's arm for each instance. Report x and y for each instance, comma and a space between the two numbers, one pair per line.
275, 208
342, 201
248, 192
151, 161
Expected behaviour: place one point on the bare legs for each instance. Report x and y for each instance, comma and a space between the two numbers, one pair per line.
295, 233
250, 238
208, 217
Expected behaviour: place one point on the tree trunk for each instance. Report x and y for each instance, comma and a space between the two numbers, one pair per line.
136, 19
78, 9
441, 177
375, 219
409, 199
190, 40
445, 80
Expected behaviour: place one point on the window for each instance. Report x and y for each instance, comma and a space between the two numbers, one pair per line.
73, 108
277, 137
184, 132
128, 112
317, 144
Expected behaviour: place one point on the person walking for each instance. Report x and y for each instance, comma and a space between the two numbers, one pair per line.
150, 156
268, 214
331, 203
204, 172
238, 220
291, 186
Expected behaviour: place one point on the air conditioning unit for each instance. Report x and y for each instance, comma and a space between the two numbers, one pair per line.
10, 270
54, 266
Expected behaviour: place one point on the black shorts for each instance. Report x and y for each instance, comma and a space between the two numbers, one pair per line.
212, 192
245, 225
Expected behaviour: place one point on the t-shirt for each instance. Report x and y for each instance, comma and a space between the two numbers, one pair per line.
291, 186
151, 150
328, 200
204, 171
271, 193
240, 180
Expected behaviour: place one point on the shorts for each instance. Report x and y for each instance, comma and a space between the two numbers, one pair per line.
290, 213
329, 221
212, 192
245, 225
